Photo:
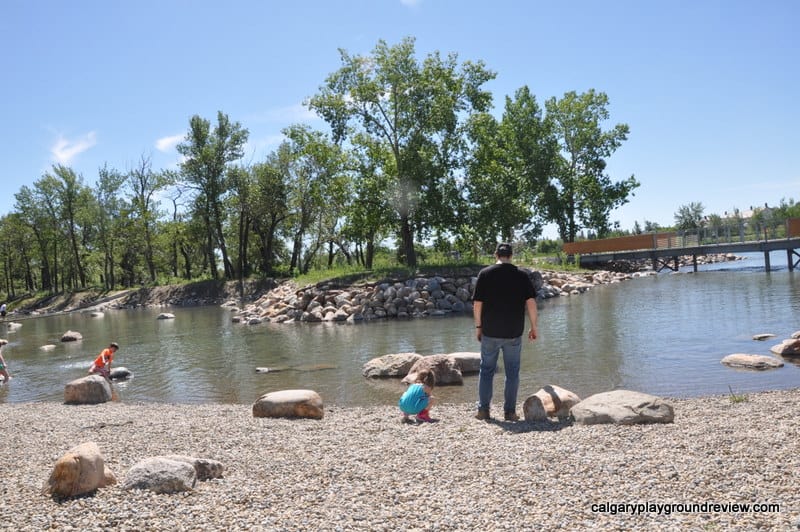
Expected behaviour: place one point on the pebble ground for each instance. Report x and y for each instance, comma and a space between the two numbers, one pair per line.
362, 469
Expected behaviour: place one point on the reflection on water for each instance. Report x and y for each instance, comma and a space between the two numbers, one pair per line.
664, 335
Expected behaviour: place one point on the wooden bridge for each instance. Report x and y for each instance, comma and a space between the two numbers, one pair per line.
664, 249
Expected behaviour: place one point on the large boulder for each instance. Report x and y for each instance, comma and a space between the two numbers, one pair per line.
741, 360
166, 316
443, 367
80, 471
204, 468
289, 404
392, 365
89, 390
622, 407
71, 336
550, 401
467, 362
160, 474
790, 347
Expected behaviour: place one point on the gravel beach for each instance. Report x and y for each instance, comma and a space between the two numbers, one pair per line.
362, 469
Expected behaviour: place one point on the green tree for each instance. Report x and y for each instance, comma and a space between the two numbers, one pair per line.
582, 195
207, 155
74, 199
689, 216
270, 207
417, 110
110, 205
143, 185
18, 252
509, 167
34, 214
314, 172
369, 215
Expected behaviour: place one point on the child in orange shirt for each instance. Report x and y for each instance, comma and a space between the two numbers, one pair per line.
102, 364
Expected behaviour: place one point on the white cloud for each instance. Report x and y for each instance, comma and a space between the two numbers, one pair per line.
166, 144
65, 149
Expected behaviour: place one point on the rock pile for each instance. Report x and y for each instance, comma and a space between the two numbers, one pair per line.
411, 298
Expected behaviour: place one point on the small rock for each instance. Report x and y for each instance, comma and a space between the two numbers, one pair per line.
741, 360
71, 336
161, 475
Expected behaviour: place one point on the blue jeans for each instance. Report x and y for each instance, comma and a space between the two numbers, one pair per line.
490, 349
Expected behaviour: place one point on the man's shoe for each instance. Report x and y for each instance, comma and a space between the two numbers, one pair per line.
512, 416
482, 415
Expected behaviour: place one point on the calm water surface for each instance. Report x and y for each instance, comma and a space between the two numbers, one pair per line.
663, 334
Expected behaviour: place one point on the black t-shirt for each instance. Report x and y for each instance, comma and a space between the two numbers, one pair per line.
503, 289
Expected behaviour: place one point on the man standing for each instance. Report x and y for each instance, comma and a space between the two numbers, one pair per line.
503, 293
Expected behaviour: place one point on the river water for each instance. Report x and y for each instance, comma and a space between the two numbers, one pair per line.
663, 334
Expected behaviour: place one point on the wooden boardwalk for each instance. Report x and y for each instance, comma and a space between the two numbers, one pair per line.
664, 249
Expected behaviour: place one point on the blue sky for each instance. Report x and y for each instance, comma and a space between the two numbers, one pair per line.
709, 88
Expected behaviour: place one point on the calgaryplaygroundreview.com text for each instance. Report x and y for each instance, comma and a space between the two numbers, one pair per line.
670, 508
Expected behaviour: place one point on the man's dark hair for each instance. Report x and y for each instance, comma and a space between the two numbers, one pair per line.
503, 250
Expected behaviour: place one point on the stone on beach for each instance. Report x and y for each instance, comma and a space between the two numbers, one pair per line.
160, 474
391, 365
742, 360
550, 401
89, 390
622, 407
289, 404
80, 471
204, 468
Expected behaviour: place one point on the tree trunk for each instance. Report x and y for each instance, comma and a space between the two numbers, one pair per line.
407, 237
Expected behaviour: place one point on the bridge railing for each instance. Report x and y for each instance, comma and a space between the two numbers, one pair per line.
734, 231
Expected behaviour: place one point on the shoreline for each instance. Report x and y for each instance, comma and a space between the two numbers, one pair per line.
359, 468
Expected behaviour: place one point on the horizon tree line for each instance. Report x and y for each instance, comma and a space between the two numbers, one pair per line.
414, 154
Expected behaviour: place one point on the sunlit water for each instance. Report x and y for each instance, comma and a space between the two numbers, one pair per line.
662, 334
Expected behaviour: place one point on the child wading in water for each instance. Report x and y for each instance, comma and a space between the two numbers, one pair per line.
3, 368
418, 399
